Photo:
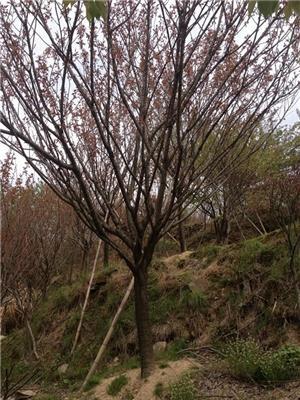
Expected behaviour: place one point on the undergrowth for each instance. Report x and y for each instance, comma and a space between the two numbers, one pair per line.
247, 359
183, 388
117, 385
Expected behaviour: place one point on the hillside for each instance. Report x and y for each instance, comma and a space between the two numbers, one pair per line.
200, 300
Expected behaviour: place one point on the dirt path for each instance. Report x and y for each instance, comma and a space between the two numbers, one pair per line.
143, 389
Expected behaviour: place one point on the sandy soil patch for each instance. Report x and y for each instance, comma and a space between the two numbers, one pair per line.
143, 389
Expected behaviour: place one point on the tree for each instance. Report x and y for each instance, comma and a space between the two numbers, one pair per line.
285, 204
269, 7
130, 116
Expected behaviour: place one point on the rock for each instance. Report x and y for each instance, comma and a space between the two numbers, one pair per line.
62, 369
24, 394
115, 361
159, 346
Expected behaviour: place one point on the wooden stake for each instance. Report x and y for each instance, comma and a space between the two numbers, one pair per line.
86, 298
108, 335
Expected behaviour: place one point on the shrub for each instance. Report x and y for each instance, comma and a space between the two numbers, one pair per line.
282, 364
207, 253
184, 388
247, 359
174, 349
193, 299
116, 385
127, 395
249, 253
158, 390
93, 381
243, 357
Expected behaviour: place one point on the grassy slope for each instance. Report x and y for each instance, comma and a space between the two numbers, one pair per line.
206, 296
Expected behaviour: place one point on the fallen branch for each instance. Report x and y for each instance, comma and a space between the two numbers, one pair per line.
34, 349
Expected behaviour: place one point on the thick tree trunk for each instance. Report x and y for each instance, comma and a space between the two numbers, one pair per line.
143, 323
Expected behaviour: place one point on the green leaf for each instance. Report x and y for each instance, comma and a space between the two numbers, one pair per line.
288, 10
95, 9
88, 10
251, 5
296, 6
68, 2
100, 9
267, 7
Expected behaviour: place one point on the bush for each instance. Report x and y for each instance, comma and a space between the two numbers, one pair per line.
249, 254
184, 388
158, 390
207, 253
93, 381
174, 349
281, 365
247, 359
243, 357
193, 299
116, 385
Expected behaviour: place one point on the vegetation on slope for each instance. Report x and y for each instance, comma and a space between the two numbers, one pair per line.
204, 297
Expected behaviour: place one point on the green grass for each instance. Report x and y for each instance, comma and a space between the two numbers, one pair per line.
207, 253
93, 381
117, 385
106, 372
173, 352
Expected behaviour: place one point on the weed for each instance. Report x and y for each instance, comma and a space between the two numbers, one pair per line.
173, 350
243, 357
207, 254
183, 388
193, 299
46, 397
282, 364
116, 385
158, 390
163, 365
127, 395
93, 381
249, 254
247, 359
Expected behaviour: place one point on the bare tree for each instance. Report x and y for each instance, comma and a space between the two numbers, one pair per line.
285, 206
132, 115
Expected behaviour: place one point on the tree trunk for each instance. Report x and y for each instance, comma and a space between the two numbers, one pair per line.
105, 255
293, 255
143, 323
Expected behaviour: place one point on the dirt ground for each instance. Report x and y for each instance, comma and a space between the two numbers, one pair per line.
211, 379
143, 389
214, 382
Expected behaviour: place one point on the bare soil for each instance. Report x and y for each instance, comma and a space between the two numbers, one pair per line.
143, 389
